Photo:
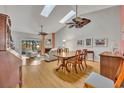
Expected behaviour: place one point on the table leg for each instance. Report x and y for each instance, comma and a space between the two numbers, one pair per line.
63, 65
67, 67
59, 67
93, 56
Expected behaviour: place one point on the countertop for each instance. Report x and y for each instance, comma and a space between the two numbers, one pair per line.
111, 54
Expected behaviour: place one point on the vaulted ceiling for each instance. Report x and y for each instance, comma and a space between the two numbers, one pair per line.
27, 18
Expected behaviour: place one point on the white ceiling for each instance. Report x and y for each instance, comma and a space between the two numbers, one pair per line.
27, 18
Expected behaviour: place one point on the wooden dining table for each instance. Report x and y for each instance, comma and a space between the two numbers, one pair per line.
64, 56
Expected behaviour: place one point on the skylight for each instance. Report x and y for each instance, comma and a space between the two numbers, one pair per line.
47, 10
68, 16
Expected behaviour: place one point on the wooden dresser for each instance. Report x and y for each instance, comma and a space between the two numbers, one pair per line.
109, 64
10, 60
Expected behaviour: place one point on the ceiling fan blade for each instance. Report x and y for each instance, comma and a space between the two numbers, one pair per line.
85, 19
86, 22
74, 20
69, 23
42, 33
71, 26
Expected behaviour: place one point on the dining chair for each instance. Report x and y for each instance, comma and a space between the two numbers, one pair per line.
98, 81
66, 50
59, 51
75, 61
84, 57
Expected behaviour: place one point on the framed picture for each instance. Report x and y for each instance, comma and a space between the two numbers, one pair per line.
80, 42
89, 42
101, 42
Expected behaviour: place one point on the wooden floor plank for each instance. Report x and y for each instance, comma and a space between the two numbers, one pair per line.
45, 75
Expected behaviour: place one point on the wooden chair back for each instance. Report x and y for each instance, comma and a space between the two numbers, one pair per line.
78, 55
84, 54
66, 50
120, 77
59, 50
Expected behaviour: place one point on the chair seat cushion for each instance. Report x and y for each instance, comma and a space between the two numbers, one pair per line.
99, 81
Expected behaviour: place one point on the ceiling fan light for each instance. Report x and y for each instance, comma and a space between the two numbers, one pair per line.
78, 19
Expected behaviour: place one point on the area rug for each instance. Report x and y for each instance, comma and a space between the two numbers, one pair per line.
72, 77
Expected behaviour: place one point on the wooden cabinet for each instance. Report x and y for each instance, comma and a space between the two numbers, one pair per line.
2, 32
5, 32
10, 61
109, 64
9, 69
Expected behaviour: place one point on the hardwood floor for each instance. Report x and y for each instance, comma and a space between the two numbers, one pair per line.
45, 76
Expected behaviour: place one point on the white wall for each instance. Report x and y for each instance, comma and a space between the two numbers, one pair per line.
3, 9
104, 24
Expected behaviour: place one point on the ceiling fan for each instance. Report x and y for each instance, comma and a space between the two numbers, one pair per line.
42, 33
78, 22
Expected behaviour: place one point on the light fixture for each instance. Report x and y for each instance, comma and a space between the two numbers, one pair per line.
64, 40
42, 33
68, 16
47, 10
38, 46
